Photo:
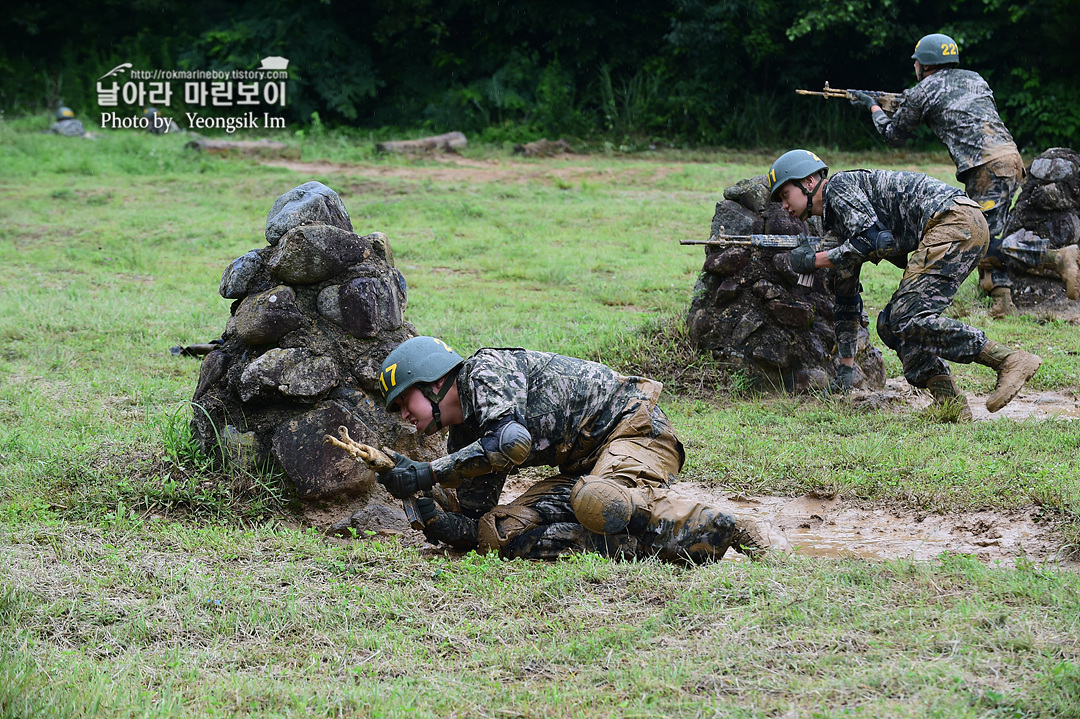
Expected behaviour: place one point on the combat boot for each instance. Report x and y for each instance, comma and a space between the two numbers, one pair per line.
1003, 305
755, 537
948, 396
1066, 263
1013, 367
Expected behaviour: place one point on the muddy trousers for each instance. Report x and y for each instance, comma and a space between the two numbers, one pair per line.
911, 323
542, 523
993, 186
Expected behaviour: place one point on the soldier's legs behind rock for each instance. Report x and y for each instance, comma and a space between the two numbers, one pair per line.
993, 186
949, 251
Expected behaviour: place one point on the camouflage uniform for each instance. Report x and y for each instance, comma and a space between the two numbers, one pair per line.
585, 419
940, 237
68, 127
959, 107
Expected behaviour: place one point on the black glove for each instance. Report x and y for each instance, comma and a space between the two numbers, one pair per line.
842, 381
861, 98
876, 244
407, 477
427, 508
802, 257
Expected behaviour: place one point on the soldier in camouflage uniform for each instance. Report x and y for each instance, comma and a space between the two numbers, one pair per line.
932, 230
66, 124
510, 408
959, 107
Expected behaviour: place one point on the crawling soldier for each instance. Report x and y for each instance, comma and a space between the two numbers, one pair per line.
510, 408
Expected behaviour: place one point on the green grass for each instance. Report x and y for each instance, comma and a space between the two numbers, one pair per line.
138, 581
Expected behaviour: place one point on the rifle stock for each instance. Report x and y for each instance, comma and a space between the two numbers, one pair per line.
378, 462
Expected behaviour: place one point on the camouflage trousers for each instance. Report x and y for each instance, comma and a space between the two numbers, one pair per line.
952, 245
993, 186
643, 455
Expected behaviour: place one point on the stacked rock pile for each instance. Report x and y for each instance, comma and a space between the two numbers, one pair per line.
314, 314
750, 313
1049, 206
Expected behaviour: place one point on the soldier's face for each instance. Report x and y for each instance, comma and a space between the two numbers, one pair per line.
415, 408
792, 199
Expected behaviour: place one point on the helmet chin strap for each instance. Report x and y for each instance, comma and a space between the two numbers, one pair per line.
809, 200
435, 398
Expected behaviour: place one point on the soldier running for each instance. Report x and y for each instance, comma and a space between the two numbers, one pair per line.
614, 448
959, 107
921, 224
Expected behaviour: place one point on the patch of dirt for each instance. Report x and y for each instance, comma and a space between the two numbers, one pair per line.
898, 394
837, 528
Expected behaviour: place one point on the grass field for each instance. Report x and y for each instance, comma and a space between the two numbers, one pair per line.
136, 581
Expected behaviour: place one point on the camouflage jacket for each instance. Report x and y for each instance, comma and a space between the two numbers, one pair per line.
852, 202
568, 405
959, 107
902, 202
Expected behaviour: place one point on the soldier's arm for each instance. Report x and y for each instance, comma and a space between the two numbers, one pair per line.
897, 129
476, 497
505, 445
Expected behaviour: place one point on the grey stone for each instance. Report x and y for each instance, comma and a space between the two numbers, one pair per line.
237, 277
765, 290
310, 203
791, 313
726, 291
213, 368
726, 262
266, 317
363, 306
731, 218
752, 193
317, 469
1050, 169
1051, 196
313, 253
294, 373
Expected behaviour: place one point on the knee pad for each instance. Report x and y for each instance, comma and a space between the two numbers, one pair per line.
884, 329
847, 307
502, 524
601, 504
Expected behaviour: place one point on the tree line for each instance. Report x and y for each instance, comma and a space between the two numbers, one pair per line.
684, 72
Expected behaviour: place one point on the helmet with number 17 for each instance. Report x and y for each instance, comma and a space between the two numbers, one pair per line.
936, 49
420, 360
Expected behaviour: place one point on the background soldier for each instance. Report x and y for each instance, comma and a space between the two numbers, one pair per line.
66, 124
510, 408
959, 107
914, 221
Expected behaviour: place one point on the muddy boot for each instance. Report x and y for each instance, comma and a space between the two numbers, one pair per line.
1013, 367
1066, 263
755, 537
1003, 305
949, 397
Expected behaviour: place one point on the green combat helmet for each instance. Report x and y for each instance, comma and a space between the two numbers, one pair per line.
418, 361
794, 165
937, 49
64, 113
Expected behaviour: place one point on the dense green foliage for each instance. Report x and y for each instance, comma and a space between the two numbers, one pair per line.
679, 71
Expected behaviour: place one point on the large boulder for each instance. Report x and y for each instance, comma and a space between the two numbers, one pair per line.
314, 313
749, 311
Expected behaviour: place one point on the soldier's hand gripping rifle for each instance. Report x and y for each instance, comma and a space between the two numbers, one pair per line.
772, 242
888, 101
380, 463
